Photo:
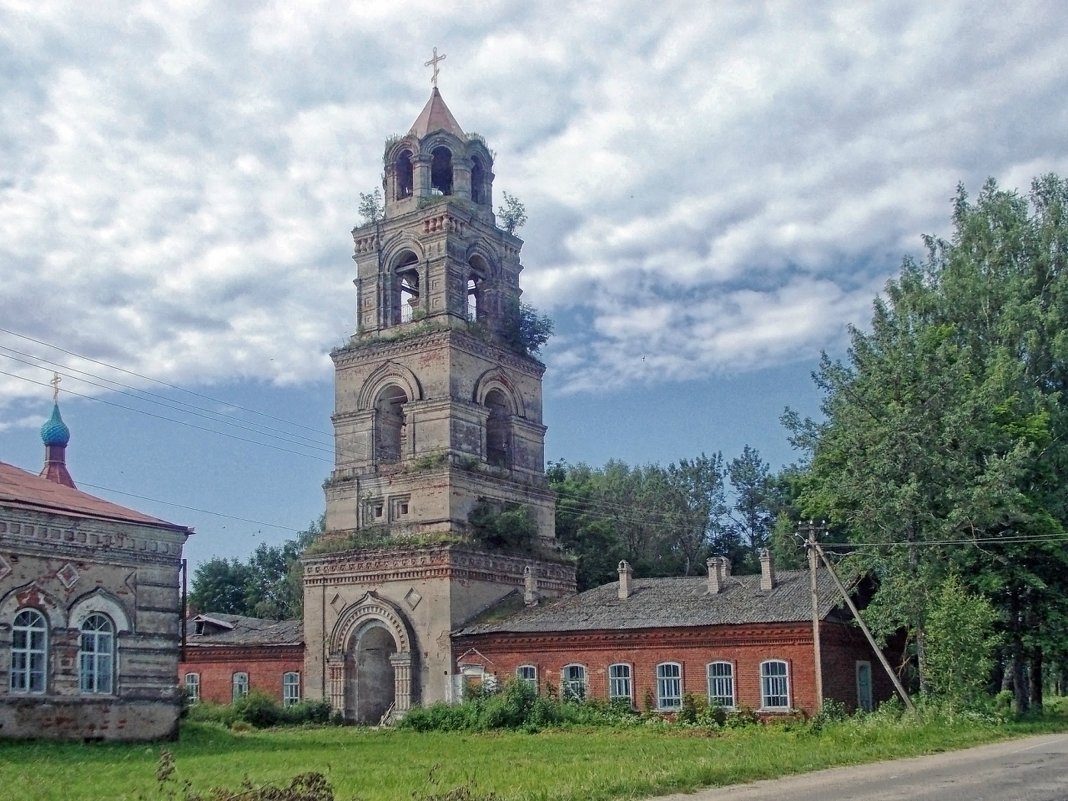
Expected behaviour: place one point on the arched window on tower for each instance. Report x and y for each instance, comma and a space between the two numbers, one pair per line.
472, 298
478, 180
406, 288
498, 429
405, 174
441, 171
390, 424
477, 309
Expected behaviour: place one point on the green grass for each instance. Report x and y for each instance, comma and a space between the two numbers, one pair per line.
583, 765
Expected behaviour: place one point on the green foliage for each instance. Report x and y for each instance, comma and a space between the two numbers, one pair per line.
507, 527
259, 710
512, 215
525, 330
945, 436
960, 643
310, 786
371, 207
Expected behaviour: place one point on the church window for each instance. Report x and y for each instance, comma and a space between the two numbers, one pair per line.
29, 652
96, 655
390, 425
498, 429
405, 175
619, 686
192, 688
472, 300
240, 686
405, 293
573, 683
478, 180
290, 688
441, 171
527, 673
476, 310
668, 686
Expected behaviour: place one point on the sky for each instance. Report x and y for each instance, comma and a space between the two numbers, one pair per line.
715, 193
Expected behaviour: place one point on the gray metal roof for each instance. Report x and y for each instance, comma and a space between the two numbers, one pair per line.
230, 630
671, 602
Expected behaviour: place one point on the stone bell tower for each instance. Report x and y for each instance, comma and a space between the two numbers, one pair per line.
438, 412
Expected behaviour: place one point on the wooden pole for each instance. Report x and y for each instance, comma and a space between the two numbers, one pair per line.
863, 627
817, 648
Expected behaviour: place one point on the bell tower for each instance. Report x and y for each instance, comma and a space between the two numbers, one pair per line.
437, 415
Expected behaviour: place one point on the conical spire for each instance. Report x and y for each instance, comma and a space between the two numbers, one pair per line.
436, 116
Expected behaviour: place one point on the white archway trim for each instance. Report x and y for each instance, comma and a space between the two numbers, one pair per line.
496, 378
32, 596
370, 609
100, 601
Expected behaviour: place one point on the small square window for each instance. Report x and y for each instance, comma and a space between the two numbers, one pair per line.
398, 507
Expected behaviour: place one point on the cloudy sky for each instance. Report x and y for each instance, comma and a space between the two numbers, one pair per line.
714, 190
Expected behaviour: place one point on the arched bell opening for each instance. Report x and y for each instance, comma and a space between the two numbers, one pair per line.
479, 190
441, 171
498, 429
390, 425
477, 306
405, 293
405, 175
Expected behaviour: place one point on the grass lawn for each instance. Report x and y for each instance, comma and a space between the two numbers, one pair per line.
583, 765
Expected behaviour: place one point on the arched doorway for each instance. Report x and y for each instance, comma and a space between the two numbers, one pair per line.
372, 683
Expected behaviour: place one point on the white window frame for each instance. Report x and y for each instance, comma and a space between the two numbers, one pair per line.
720, 676
239, 685
620, 682
865, 695
668, 687
522, 672
29, 653
192, 687
96, 655
574, 685
290, 688
774, 685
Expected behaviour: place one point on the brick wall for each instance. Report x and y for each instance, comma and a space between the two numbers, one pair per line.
744, 647
265, 666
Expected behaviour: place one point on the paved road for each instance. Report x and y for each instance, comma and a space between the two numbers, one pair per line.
1028, 769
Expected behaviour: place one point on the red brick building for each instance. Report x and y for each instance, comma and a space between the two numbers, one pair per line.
741, 641
227, 656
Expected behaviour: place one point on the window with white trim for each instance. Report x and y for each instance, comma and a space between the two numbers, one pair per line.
192, 688
527, 673
96, 655
774, 684
668, 686
29, 652
619, 683
290, 688
573, 683
721, 684
240, 686
864, 696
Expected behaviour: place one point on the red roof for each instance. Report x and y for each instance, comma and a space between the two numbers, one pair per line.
436, 116
24, 490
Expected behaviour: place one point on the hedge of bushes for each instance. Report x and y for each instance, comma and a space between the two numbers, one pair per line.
259, 710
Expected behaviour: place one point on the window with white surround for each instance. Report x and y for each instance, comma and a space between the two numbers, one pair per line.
290, 688
774, 685
668, 685
864, 697
192, 688
96, 655
240, 684
619, 683
573, 683
29, 652
527, 673
721, 684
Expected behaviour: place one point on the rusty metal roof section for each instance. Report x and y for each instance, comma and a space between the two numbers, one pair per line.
23, 490
218, 629
436, 116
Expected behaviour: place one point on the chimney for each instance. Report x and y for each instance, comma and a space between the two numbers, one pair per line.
713, 565
530, 586
625, 575
767, 570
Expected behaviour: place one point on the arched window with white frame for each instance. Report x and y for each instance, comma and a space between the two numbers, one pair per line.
240, 685
573, 685
774, 684
529, 674
721, 684
620, 687
96, 655
29, 652
192, 688
668, 686
290, 688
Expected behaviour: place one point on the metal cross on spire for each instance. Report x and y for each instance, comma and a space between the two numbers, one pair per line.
55, 387
434, 63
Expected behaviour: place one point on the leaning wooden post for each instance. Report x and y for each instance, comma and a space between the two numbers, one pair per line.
817, 648
863, 627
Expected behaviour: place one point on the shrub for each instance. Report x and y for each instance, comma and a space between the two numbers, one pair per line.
258, 709
741, 717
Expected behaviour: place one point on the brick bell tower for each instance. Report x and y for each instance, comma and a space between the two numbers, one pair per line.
438, 411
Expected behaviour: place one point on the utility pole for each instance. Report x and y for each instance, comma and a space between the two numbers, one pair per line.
813, 564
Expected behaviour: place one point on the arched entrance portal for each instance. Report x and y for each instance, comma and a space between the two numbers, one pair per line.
371, 690
370, 663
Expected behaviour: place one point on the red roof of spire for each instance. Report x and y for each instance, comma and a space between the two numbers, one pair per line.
436, 116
